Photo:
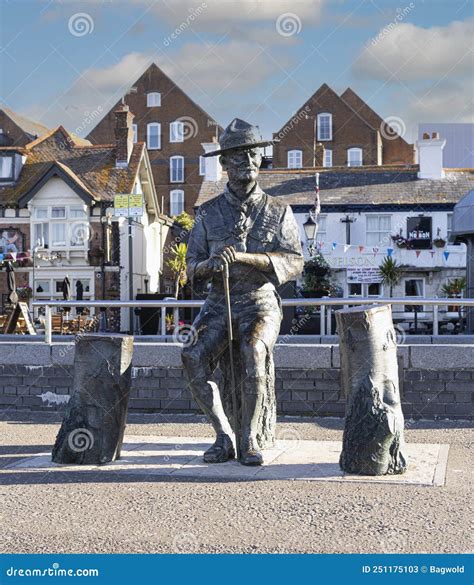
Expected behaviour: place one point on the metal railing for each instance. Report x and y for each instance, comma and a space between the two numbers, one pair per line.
323, 305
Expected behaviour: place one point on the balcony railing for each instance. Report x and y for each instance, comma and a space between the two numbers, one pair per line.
429, 314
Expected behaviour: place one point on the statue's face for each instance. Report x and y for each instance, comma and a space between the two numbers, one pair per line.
242, 165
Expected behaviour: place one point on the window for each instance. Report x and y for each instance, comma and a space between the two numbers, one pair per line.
60, 226
177, 132
327, 162
135, 133
324, 126
58, 234
450, 226
378, 229
354, 157
6, 167
41, 235
372, 289
176, 202
177, 169
153, 136
355, 289
42, 286
295, 159
41, 212
414, 287
58, 212
153, 99
321, 230
202, 165
77, 213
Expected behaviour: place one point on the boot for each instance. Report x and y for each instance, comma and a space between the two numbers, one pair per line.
221, 451
250, 452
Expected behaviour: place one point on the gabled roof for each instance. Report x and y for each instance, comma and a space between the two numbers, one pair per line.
359, 187
364, 110
89, 170
57, 169
153, 69
323, 89
28, 126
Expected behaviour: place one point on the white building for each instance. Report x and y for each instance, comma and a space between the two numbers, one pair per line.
364, 208
57, 216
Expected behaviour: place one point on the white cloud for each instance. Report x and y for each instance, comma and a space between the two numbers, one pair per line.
412, 53
227, 12
210, 74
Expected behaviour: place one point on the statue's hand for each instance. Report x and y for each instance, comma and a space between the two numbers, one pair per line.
226, 256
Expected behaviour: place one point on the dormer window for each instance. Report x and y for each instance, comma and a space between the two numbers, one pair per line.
6, 168
153, 99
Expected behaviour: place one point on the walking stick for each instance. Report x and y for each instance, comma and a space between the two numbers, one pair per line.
225, 274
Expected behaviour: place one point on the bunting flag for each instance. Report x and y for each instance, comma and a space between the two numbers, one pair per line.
389, 252
417, 252
320, 244
346, 247
375, 250
334, 245
13, 255
361, 249
446, 255
2, 257
432, 252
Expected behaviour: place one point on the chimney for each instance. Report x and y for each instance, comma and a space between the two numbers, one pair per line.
123, 135
430, 156
213, 169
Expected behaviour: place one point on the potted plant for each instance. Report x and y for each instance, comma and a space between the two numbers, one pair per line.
438, 241
391, 273
177, 264
24, 293
453, 289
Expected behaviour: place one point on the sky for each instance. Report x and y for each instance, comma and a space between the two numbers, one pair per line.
68, 62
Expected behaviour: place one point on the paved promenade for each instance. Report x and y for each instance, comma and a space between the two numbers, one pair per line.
138, 507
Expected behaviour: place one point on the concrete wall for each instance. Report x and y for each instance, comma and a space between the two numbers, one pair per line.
437, 381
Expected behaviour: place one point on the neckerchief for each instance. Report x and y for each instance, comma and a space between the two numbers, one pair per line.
247, 210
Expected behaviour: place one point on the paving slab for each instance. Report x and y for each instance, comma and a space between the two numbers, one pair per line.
294, 460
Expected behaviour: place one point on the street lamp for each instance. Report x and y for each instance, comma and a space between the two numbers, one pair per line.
310, 227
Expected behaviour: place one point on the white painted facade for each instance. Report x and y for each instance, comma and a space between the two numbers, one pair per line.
430, 266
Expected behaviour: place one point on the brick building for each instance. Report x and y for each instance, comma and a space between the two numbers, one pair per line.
173, 127
16, 130
351, 133
57, 216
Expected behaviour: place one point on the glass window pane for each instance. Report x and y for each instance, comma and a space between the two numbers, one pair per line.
6, 167
77, 213
41, 212
42, 286
59, 234
355, 289
58, 212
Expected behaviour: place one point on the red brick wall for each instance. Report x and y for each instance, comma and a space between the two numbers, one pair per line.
348, 131
174, 104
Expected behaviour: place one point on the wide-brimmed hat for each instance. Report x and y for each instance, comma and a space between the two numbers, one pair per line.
239, 135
